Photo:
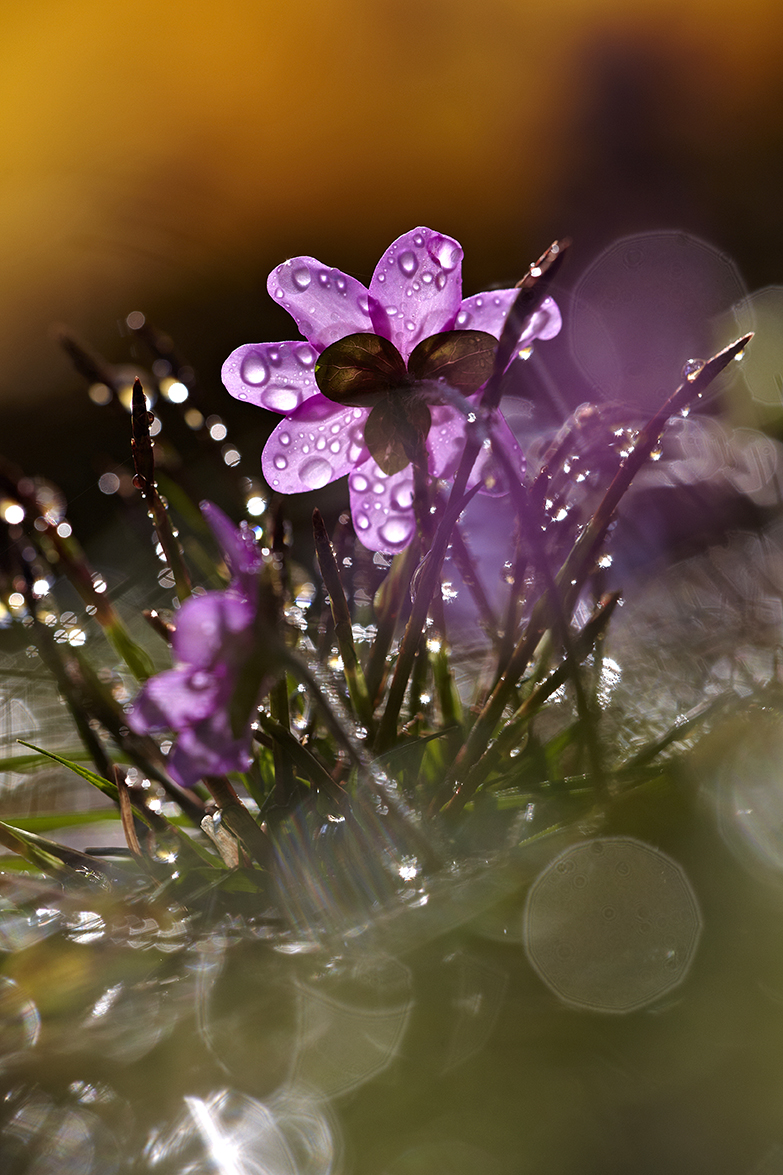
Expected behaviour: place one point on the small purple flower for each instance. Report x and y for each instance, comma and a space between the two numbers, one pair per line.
362, 392
210, 647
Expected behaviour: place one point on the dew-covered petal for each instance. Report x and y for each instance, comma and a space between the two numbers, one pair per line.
174, 699
238, 544
488, 312
545, 323
315, 445
416, 289
208, 628
485, 312
208, 748
382, 507
446, 442
325, 304
275, 376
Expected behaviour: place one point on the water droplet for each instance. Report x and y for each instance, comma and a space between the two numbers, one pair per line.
280, 461
427, 278
316, 473
418, 240
402, 497
334, 447
359, 482
463, 318
447, 253
284, 438
281, 399
440, 281
408, 263
397, 530
381, 277
363, 303
362, 521
691, 369
301, 278
739, 356
254, 369
377, 487
410, 324
323, 278
305, 356
340, 282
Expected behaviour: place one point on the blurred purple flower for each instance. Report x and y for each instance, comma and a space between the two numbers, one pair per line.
415, 294
210, 647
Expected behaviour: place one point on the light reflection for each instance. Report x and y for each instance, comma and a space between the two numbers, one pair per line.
611, 925
228, 1133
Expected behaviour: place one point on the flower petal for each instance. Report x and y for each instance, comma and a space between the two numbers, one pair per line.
238, 543
173, 699
208, 628
208, 748
416, 288
446, 442
382, 507
315, 445
324, 303
275, 376
488, 312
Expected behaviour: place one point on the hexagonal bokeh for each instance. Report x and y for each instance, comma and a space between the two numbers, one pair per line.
611, 924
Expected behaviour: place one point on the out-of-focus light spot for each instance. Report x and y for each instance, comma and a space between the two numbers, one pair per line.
108, 483
155, 426
100, 394
64, 530
40, 588
231, 456
256, 506
135, 320
217, 429
174, 390
76, 637
193, 418
99, 583
611, 924
13, 513
16, 600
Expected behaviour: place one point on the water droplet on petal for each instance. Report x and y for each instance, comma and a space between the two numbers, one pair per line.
691, 369
463, 318
254, 370
447, 253
363, 303
301, 277
359, 482
284, 438
305, 356
440, 281
397, 530
402, 497
362, 521
280, 462
418, 240
281, 399
334, 447
340, 282
377, 487
408, 263
316, 473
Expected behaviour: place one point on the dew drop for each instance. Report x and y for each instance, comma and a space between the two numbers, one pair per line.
427, 278
402, 497
284, 438
301, 278
281, 399
447, 253
280, 462
377, 487
396, 530
362, 521
359, 482
340, 282
408, 263
440, 281
316, 473
305, 356
334, 447
691, 369
463, 318
254, 370
418, 240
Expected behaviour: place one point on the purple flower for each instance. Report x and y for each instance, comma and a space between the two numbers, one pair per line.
210, 647
362, 392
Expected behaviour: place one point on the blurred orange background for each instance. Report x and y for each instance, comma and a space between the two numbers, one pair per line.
164, 156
